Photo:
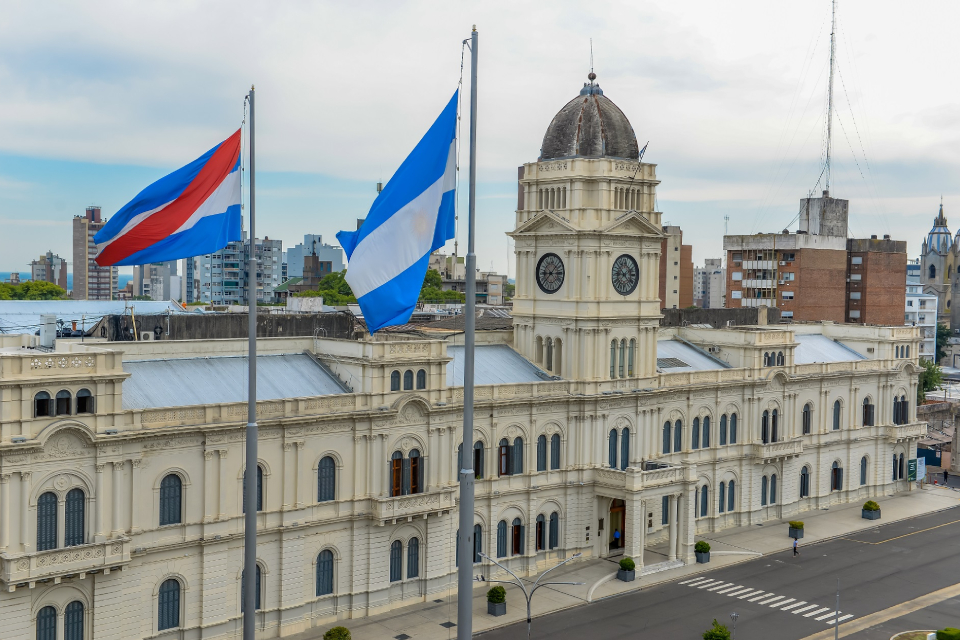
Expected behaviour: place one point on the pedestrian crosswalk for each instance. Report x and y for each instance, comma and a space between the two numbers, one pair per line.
768, 599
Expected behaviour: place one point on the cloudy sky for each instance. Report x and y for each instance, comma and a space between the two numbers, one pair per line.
99, 99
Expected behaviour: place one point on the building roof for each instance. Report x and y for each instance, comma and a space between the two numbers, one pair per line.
23, 316
674, 355
590, 126
286, 285
814, 347
939, 238
493, 364
194, 381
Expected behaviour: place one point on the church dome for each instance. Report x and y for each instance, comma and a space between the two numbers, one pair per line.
590, 126
939, 238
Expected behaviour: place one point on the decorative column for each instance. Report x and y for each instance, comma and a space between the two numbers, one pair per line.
635, 529
370, 478
25, 510
672, 517
298, 478
209, 486
115, 516
381, 463
681, 532
98, 504
288, 477
222, 485
5, 510
435, 456
134, 493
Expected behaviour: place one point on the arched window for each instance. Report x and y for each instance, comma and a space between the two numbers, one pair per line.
836, 415
47, 521
733, 428
704, 501
63, 402
168, 605
503, 457
407, 380
763, 491
555, 451
502, 539
73, 528
731, 486
42, 405
774, 432
541, 532
666, 437
478, 460
933, 272
805, 418
624, 449
538, 353
395, 381
549, 354
766, 358
723, 430
678, 436
623, 358
836, 477
542, 453
554, 540
413, 558
396, 561
867, 413
518, 534
326, 479
259, 489
477, 543
894, 466
863, 471
722, 495
705, 439
695, 434
900, 468
422, 379
517, 463
171, 489
630, 357
896, 410
47, 624
85, 402
765, 427
396, 474
804, 483
613, 358
773, 489
896, 351
781, 361
73, 621
415, 481
325, 573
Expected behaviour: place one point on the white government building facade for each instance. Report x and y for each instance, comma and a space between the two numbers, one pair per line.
121, 464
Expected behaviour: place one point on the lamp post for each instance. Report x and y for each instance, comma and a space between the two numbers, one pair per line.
536, 585
734, 616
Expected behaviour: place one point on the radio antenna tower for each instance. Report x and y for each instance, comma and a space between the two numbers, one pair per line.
833, 58
726, 224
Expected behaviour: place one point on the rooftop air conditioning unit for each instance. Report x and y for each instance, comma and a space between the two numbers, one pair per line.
783, 282
783, 263
713, 349
146, 336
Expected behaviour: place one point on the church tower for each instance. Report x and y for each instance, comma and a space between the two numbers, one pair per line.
937, 265
588, 247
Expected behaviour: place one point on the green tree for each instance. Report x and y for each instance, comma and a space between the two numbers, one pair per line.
930, 379
717, 632
39, 290
6, 291
509, 290
943, 334
141, 298
432, 279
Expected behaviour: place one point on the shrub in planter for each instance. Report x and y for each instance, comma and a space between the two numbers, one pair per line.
702, 551
871, 510
948, 634
627, 571
337, 633
870, 505
796, 529
497, 601
717, 632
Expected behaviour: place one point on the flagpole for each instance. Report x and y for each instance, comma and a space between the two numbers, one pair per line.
250, 484
465, 572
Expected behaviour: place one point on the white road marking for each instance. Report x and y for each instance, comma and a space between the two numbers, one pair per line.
694, 580
714, 583
846, 617
720, 586
759, 597
739, 591
780, 604
771, 600
827, 615
726, 589
816, 612
795, 604
807, 608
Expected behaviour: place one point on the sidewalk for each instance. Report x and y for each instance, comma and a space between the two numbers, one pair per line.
435, 620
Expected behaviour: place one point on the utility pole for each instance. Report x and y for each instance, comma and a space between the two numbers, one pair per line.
833, 50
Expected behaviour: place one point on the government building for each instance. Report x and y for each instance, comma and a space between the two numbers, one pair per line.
597, 432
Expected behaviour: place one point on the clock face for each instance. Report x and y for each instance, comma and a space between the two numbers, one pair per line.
625, 274
550, 273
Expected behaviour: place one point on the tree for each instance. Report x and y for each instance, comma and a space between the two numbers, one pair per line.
141, 298
717, 632
6, 291
930, 379
509, 290
432, 279
33, 290
943, 334
334, 289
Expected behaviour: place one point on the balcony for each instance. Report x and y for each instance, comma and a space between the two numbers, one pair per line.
392, 510
777, 450
900, 432
57, 563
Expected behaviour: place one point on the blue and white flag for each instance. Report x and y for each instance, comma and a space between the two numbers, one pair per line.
411, 218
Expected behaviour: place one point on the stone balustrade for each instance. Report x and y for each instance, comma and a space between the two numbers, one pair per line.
55, 563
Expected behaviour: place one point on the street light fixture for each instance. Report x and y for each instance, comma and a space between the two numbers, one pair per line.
536, 585
734, 616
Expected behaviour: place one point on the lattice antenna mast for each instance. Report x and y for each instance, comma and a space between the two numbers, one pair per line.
591, 55
833, 58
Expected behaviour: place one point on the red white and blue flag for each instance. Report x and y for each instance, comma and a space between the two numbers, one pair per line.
193, 211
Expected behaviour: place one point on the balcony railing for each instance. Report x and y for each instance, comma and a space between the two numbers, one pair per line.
421, 504
782, 449
898, 432
56, 563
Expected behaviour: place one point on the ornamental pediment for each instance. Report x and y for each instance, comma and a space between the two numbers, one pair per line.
545, 222
633, 223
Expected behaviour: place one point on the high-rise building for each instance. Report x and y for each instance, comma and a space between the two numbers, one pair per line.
50, 268
708, 284
90, 280
158, 281
876, 269
222, 277
313, 244
676, 270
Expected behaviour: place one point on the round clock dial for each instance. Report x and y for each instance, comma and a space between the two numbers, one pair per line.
550, 272
625, 274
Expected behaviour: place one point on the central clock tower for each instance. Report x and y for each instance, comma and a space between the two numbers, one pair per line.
588, 242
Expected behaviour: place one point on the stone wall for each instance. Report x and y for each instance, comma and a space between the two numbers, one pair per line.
211, 326
720, 318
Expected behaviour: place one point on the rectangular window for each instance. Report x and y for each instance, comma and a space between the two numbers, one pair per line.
787, 295
665, 510
788, 276
855, 313
856, 260
737, 275
855, 277
786, 314
854, 295
736, 295
738, 257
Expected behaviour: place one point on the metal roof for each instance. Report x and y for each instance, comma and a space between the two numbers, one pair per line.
493, 364
23, 316
192, 381
672, 352
814, 347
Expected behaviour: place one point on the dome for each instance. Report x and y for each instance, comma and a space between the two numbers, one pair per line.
939, 238
590, 126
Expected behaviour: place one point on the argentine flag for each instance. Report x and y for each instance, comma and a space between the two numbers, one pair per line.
411, 218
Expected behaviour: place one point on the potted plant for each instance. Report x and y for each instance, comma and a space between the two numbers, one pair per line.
702, 551
871, 510
796, 529
337, 633
627, 571
497, 601
717, 632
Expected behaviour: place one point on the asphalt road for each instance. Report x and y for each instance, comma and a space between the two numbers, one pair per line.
878, 568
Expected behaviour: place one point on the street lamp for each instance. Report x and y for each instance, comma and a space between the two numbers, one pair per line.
734, 616
517, 581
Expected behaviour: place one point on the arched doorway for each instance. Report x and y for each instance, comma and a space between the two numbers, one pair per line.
617, 533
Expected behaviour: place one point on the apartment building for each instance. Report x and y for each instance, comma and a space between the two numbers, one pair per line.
49, 268
222, 277
676, 270
90, 280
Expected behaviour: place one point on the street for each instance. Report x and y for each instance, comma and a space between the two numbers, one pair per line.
785, 597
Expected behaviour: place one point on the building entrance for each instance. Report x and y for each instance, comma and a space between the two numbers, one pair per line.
617, 534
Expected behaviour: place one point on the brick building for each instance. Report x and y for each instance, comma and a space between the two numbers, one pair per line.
90, 280
875, 271
676, 270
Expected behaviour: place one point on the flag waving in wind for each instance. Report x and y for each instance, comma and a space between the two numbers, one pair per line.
193, 211
411, 218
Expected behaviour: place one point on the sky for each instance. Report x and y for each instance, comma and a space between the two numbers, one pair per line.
99, 99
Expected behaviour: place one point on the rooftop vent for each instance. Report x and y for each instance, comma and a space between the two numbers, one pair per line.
671, 363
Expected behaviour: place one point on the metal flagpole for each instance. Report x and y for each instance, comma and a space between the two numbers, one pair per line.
250, 479
465, 572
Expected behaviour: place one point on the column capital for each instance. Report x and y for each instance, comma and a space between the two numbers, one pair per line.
25, 476
136, 462
208, 454
222, 453
99, 467
5, 477
117, 465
